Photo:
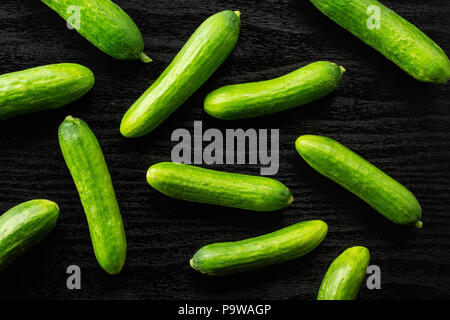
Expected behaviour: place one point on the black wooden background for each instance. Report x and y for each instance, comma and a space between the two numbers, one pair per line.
397, 123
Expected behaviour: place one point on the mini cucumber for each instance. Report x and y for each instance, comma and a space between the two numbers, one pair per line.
256, 99
196, 184
273, 248
203, 53
24, 226
105, 25
391, 35
345, 275
355, 174
87, 165
42, 88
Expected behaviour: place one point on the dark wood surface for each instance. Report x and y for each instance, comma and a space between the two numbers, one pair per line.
397, 123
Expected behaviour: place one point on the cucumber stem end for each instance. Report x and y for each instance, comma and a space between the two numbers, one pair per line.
291, 199
419, 225
342, 69
238, 13
144, 58
191, 262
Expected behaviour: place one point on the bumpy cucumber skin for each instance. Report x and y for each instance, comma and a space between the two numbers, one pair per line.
23, 226
87, 165
256, 99
106, 26
196, 184
273, 248
202, 54
397, 39
43, 88
360, 177
345, 275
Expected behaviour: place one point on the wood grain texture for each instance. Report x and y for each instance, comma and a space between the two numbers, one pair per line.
400, 125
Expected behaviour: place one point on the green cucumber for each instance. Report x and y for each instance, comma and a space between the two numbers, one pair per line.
256, 99
87, 165
196, 184
273, 248
358, 176
202, 54
105, 25
24, 226
345, 275
394, 37
42, 88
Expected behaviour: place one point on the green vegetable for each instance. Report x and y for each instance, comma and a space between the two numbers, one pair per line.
86, 163
345, 275
42, 88
24, 226
204, 52
105, 25
196, 184
273, 248
261, 98
394, 37
355, 174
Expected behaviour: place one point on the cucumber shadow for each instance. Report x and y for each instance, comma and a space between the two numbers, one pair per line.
46, 122
291, 118
30, 271
218, 215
